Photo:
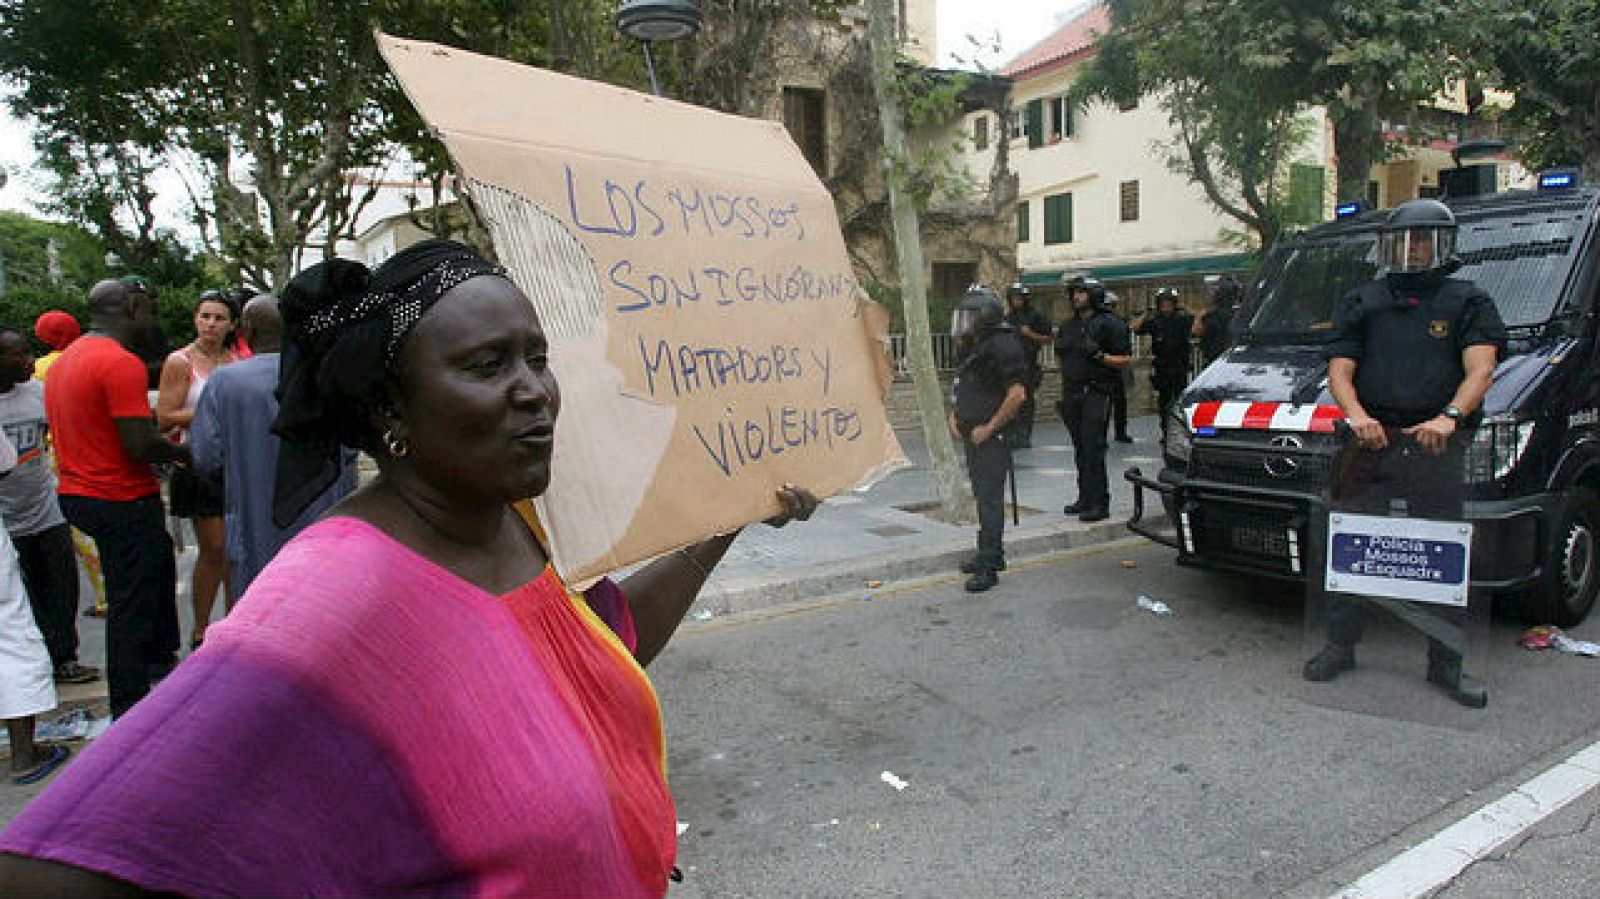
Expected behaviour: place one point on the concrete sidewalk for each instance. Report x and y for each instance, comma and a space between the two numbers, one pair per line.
879, 535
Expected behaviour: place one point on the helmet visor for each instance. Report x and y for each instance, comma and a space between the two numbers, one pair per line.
1415, 250
964, 321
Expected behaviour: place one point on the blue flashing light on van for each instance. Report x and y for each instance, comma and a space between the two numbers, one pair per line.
1349, 210
1558, 179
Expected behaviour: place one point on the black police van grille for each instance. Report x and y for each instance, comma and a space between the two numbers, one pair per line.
1264, 466
1246, 535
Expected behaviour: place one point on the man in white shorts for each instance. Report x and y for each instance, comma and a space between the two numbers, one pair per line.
27, 683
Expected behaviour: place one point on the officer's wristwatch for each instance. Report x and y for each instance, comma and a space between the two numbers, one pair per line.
1452, 413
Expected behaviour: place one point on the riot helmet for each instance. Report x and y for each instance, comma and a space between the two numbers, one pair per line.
1167, 295
1419, 237
1225, 291
979, 313
1091, 285
1019, 291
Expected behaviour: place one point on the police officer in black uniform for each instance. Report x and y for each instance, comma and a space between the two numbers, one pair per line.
1215, 326
1119, 397
1033, 331
1414, 354
1168, 329
1093, 348
989, 390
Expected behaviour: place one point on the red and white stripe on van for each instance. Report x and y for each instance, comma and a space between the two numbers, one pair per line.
1306, 418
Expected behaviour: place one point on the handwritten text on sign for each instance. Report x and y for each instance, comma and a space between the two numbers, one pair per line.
724, 225
1399, 558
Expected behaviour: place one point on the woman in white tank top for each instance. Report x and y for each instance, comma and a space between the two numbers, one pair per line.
182, 378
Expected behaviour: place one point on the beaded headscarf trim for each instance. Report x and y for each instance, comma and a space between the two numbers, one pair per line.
404, 306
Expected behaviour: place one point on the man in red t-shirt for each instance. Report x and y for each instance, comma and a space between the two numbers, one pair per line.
106, 441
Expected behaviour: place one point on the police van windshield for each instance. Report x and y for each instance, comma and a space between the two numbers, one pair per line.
1521, 254
1303, 279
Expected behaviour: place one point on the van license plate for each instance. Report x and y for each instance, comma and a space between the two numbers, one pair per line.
1258, 540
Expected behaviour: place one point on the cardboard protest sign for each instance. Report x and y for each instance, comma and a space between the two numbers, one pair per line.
710, 340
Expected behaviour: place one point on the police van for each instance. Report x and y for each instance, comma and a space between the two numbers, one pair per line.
1249, 446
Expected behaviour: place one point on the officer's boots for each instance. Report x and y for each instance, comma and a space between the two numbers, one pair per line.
973, 566
1462, 687
1332, 659
981, 580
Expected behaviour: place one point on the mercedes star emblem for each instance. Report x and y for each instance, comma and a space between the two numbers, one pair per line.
1283, 466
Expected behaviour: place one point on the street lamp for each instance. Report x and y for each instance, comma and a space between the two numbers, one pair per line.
657, 20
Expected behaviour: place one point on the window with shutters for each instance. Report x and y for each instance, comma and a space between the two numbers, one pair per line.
1058, 219
980, 132
1023, 235
1035, 123
803, 115
1019, 124
1129, 197
1306, 187
1058, 119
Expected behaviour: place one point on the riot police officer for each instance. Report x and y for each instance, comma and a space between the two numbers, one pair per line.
1414, 354
1119, 396
1093, 349
1033, 331
1215, 326
988, 391
1168, 329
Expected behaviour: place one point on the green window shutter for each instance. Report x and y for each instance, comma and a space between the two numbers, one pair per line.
1035, 124
1306, 188
1022, 222
1058, 219
1069, 119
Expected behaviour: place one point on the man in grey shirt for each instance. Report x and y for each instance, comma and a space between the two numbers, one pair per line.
231, 437
33, 516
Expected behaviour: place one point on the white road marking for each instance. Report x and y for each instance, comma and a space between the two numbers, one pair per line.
1431, 864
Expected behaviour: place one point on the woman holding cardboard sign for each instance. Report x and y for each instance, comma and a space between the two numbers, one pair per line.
408, 699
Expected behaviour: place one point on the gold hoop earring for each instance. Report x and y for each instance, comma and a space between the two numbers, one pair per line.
397, 446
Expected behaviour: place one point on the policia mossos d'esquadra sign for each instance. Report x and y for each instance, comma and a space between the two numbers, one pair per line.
1399, 558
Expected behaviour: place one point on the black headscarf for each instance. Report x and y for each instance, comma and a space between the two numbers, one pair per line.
344, 327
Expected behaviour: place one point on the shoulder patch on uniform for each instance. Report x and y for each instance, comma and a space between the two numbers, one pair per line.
1439, 329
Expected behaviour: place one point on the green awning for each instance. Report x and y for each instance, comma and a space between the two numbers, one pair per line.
1166, 268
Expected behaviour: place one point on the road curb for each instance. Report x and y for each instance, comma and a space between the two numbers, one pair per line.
755, 593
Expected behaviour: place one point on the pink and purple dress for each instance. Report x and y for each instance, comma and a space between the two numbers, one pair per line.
367, 723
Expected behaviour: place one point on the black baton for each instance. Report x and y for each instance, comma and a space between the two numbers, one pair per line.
1011, 475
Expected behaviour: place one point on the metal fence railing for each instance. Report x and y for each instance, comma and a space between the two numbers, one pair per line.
944, 354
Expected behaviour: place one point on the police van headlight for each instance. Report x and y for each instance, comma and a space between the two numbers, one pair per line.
1180, 440
1496, 448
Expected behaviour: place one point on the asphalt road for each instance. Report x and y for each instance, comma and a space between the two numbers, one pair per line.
1056, 740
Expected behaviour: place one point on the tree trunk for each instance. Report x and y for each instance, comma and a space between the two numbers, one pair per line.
1356, 142
955, 499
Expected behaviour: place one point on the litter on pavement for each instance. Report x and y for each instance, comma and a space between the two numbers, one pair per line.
74, 725
1153, 606
1548, 636
889, 778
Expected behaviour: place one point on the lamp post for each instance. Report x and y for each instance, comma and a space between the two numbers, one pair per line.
649, 21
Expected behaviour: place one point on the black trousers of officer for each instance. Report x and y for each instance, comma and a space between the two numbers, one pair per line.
987, 466
1021, 427
1086, 412
1169, 381
1119, 406
1369, 482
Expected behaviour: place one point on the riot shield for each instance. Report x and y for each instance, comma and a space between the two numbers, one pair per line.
1393, 626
